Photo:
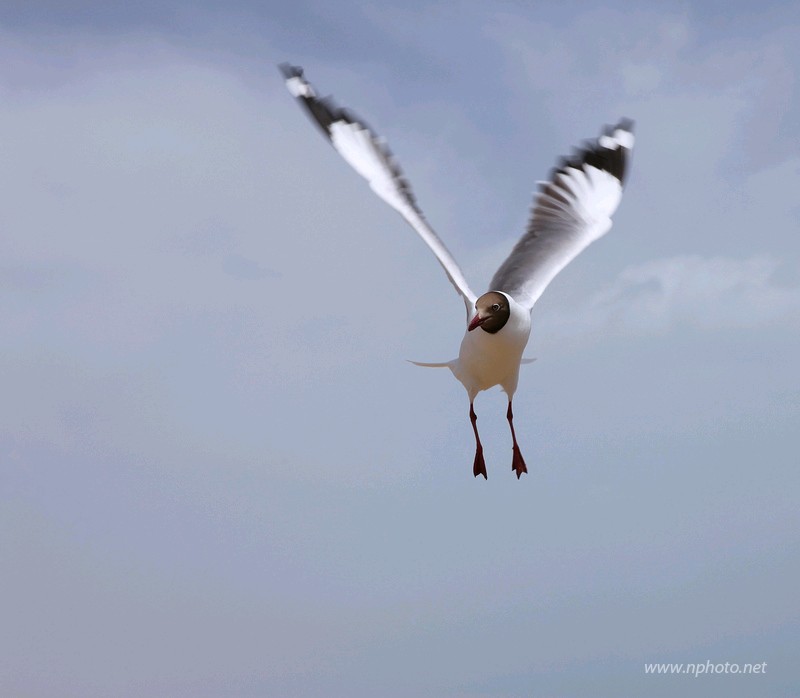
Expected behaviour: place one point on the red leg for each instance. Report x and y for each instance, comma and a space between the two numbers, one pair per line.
479, 466
518, 462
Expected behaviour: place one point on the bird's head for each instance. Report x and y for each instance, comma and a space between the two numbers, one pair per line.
492, 312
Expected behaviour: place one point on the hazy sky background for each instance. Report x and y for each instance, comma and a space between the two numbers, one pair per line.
219, 477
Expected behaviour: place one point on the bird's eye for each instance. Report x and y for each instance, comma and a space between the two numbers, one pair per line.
496, 307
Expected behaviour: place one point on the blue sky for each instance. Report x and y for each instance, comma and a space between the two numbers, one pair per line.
219, 475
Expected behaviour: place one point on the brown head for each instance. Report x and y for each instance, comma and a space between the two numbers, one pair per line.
493, 312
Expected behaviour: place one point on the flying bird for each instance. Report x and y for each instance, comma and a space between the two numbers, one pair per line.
570, 210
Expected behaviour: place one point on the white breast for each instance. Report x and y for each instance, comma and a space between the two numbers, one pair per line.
486, 360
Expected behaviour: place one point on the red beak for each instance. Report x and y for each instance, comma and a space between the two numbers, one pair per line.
477, 321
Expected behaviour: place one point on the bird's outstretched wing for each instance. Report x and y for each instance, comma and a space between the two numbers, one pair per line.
369, 155
570, 211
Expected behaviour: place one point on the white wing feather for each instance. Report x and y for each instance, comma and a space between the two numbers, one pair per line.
570, 211
368, 155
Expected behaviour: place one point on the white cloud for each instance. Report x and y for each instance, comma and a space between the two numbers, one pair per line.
706, 293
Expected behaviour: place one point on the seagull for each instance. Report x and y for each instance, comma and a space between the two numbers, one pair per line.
572, 209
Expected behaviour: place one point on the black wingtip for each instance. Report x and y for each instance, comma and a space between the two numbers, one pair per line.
323, 112
604, 156
290, 71
626, 124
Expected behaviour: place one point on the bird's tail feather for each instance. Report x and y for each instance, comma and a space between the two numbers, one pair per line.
449, 364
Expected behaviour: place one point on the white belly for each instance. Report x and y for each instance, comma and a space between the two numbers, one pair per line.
486, 360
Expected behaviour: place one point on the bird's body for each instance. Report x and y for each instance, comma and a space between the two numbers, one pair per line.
571, 210
486, 360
